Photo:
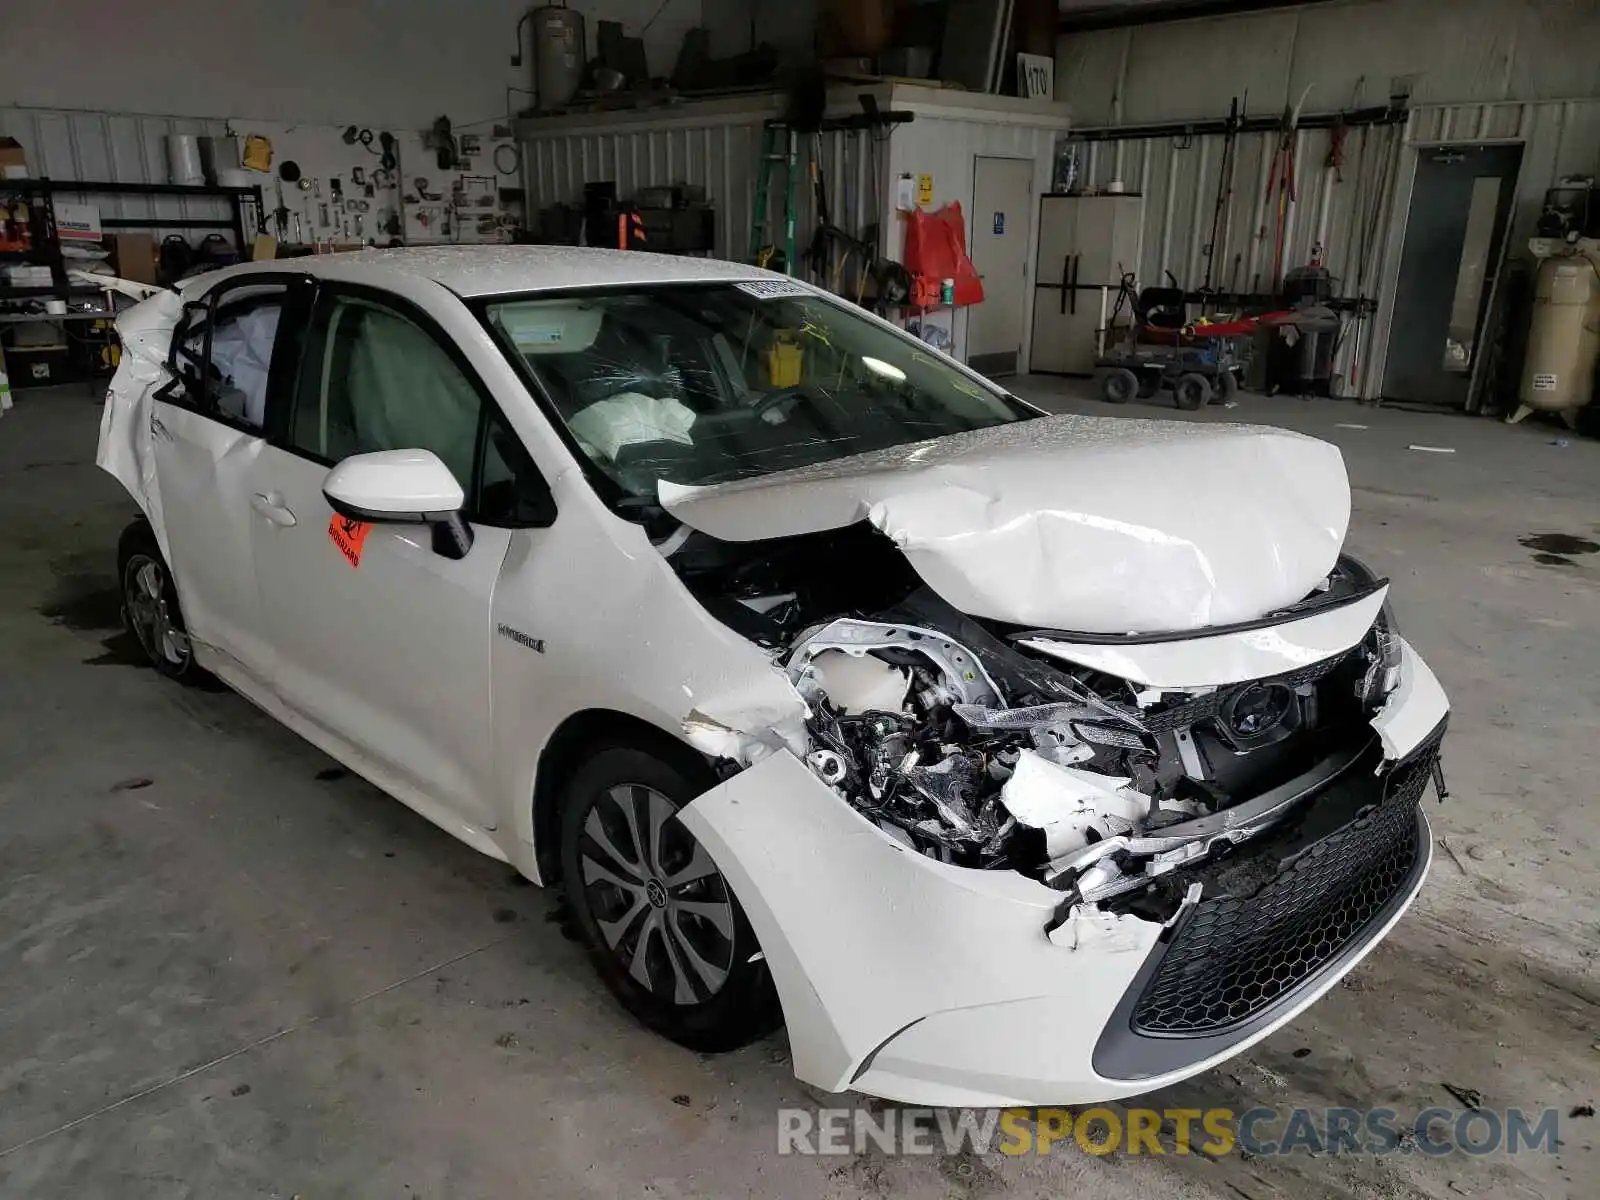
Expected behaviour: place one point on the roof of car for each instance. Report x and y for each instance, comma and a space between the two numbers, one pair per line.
500, 270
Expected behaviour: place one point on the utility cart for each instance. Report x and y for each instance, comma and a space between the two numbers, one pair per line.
1198, 362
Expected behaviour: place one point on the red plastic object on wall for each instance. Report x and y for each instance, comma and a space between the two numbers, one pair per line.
936, 249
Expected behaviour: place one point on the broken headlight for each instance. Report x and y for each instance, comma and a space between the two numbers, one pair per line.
1258, 713
1382, 651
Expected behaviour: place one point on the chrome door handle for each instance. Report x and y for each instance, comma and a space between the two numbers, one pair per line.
269, 505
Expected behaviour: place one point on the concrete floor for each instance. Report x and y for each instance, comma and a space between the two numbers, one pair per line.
227, 969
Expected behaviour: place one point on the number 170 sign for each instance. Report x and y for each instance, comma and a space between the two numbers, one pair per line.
1036, 77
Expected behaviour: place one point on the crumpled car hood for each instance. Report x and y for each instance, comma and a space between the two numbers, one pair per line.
1089, 524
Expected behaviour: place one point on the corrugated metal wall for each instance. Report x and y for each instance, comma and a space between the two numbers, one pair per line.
1179, 178
716, 150
946, 147
66, 144
1350, 53
1354, 211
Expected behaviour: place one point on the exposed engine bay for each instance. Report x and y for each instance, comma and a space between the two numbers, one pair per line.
957, 737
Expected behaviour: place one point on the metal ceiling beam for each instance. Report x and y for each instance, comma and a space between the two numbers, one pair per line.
1122, 15
1379, 115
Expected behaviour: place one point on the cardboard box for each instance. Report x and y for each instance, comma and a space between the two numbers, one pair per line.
13, 159
135, 256
78, 222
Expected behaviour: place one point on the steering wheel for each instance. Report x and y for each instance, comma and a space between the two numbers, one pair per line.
779, 402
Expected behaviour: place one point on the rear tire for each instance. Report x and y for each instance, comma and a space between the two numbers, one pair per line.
150, 610
1118, 386
1191, 391
663, 927
1227, 387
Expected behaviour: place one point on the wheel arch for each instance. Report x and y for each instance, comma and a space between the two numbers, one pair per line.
133, 532
579, 735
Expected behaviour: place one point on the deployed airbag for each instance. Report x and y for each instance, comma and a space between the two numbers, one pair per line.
241, 353
632, 418
1075, 523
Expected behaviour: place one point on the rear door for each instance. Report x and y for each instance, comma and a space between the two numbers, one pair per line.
379, 642
208, 424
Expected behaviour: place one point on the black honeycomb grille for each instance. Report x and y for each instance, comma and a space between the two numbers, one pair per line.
1238, 954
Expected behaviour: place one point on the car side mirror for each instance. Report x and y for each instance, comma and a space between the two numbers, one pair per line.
405, 487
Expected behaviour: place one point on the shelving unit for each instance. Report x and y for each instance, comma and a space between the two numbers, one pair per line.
44, 248
46, 245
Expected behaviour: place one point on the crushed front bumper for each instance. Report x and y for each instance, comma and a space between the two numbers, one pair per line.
925, 983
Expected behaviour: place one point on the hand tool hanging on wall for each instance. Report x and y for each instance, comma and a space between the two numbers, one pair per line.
1336, 135
1224, 188
281, 215
1335, 161
1281, 177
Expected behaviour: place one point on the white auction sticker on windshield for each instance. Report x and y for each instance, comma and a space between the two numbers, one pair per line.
771, 289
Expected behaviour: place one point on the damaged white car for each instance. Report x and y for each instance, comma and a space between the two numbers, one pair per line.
1006, 758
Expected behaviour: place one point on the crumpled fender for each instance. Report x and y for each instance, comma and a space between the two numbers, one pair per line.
864, 936
127, 426
1413, 710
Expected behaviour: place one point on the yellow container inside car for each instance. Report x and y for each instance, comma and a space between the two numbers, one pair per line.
785, 364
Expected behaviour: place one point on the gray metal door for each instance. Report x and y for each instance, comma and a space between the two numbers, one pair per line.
1455, 235
1002, 218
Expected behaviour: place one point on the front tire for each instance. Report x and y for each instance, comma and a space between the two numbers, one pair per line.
663, 927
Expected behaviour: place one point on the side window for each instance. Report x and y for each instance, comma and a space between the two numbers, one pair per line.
222, 357
243, 335
188, 363
372, 379
511, 492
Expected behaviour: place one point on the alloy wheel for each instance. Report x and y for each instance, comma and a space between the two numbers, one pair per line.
661, 905
144, 593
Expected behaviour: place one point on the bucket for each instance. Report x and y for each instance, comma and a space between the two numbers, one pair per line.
183, 159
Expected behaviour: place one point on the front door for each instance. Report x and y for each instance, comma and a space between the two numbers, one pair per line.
1002, 220
1460, 205
379, 642
208, 434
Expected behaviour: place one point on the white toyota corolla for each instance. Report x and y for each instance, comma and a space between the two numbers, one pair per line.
1006, 758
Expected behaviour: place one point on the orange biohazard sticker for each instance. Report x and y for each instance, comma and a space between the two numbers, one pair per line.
349, 535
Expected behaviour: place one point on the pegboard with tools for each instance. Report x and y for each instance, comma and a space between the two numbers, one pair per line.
323, 184
465, 202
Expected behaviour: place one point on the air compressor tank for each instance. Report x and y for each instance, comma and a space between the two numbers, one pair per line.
1563, 337
559, 54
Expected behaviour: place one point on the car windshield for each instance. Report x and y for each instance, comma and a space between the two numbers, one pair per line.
700, 384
